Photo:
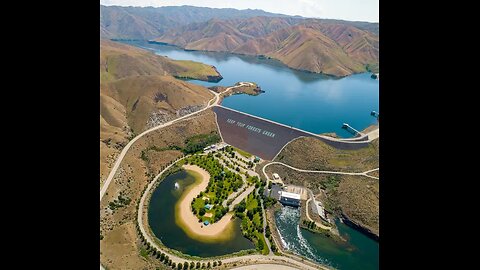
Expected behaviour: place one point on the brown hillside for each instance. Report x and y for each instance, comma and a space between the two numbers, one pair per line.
119, 60
116, 22
318, 46
137, 91
143, 95
307, 49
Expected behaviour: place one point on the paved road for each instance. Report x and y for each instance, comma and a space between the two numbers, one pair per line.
364, 138
265, 266
270, 258
302, 264
312, 171
241, 197
115, 167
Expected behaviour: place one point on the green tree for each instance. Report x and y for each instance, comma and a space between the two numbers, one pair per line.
208, 265
260, 245
185, 265
198, 265
214, 264
219, 263
192, 265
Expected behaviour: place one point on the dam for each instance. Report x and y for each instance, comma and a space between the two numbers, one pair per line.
266, 138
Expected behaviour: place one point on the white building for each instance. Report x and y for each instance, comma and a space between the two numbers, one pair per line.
288, 198
276, 176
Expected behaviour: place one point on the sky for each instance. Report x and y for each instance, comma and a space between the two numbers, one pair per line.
351, 10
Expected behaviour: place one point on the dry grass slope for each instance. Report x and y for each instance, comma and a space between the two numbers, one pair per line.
312, 154
354, 197
138, 90
358, 199
120, 247
334, 48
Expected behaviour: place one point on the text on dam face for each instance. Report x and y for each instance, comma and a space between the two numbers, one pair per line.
251, 128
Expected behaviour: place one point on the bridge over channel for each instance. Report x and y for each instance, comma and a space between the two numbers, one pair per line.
266, 138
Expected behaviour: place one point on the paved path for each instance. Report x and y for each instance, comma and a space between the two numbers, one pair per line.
265, 266
241, 197
301, 264
327, 172
120, 157
319, 224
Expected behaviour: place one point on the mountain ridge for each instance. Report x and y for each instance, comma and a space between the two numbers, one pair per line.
311, 45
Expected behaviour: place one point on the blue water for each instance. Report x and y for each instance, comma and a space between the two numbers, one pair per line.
358, 253
308, 101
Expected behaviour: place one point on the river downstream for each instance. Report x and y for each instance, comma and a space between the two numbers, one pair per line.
308, 101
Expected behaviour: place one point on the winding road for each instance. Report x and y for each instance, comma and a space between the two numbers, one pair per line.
115, 167
312, 171
271, 258
292, 260
298, 262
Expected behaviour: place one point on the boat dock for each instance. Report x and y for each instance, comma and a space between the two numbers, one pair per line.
351, 129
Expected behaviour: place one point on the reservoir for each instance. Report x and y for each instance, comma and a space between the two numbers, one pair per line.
312, 102
161, 219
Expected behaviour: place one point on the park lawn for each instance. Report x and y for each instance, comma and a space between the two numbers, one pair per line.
256, 219
260, 238
251, 202
198, 204
243, 153
221, 184
252, 179
193, 69
211, 195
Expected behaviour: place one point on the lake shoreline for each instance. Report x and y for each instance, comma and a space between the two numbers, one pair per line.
221, 230
329, 102
259, 56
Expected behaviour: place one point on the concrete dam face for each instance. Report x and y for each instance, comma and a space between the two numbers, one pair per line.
256, 136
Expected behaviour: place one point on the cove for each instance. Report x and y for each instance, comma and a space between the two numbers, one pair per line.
161, 219
312, 102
